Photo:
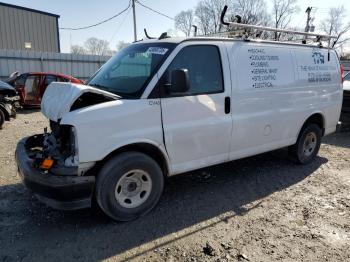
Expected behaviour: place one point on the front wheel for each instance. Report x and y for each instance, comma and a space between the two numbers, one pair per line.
307, 145
129, 185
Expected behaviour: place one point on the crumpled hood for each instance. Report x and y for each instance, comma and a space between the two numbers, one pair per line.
5, 86
59, 98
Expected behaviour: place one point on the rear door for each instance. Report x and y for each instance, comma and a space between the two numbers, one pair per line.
19, 86
46, 82
32, 90
197, 128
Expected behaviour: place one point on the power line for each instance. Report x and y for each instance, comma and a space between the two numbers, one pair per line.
99, 23
120, 26
155, 11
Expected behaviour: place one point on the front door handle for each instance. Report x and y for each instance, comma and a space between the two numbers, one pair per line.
227, 105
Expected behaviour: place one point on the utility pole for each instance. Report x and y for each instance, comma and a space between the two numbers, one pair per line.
134, 13
308, 19
308, 12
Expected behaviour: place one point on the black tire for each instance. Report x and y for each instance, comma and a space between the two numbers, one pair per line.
300, 153
2, 118
112, 173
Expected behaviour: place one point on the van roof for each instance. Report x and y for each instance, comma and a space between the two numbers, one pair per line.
178, 40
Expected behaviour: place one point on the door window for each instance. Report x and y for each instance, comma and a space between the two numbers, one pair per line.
204, 66
62, 79
20, 81
49, 79
32, 87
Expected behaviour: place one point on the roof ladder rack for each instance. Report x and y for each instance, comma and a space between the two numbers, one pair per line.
146, 34
319, 37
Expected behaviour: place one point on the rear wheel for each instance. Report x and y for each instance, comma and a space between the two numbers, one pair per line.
2, 118
307, 145
129, 185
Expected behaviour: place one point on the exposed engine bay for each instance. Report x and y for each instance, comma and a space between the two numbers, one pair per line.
58, 146
57, 150
9, 102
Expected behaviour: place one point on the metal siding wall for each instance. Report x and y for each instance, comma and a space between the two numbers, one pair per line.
46, 29
2, 27
18, 26
80, 66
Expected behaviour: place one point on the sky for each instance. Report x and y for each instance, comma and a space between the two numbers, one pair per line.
79, 13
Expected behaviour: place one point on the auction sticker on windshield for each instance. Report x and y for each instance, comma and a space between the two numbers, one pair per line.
157, 50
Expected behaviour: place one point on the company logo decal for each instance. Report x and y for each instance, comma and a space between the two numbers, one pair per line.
318, 58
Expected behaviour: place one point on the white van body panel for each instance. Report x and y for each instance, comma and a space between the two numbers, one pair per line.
272, 99
105, 127
323, 83
196, 129
274, 89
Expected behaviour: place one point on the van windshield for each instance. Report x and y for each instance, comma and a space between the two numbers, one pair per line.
130, 70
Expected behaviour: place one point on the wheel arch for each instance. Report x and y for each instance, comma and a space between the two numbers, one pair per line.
146, 148
315, 118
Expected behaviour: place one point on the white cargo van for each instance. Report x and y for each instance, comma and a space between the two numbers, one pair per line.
167, 106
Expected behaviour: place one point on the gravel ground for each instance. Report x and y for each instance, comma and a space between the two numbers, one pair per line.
262, 208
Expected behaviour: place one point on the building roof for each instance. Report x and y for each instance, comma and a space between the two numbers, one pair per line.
28, 9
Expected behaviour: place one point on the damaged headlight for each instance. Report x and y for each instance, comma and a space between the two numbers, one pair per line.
73, 140
64, 139
72, 159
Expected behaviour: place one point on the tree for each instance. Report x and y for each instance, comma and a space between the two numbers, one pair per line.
78, 50
203, 18
334, 24
208, 14
283, 11
184, 21
121, 45
251, 12
93, 46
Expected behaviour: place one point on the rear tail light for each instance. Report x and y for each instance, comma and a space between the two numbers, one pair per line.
342, 73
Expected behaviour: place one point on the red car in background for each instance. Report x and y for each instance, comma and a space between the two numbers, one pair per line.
31, 86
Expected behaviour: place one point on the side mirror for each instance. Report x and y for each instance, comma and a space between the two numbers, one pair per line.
180, 81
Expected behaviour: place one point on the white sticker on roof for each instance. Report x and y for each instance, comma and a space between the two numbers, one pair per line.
157, 50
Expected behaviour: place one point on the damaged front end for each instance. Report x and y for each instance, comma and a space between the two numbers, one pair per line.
49, 163
58, 146
57, 185
9, 102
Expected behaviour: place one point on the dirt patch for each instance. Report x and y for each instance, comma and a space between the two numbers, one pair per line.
262, 208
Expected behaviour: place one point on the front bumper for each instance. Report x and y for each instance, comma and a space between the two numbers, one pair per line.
64, 191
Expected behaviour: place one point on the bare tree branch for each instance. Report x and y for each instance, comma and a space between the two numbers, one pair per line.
184, 21
208, 14
93, 46
283, 11
335, 24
